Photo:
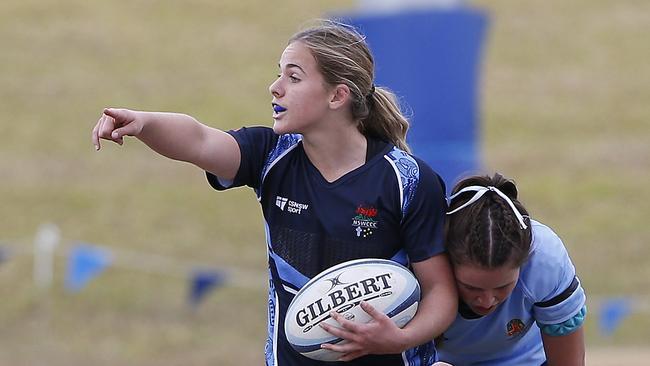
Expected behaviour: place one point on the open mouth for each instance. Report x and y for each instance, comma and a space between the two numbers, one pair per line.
278, 108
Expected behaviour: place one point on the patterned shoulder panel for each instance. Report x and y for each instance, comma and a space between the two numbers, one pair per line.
285, 144
408, 175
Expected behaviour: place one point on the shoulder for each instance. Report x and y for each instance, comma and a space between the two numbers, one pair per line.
263, 133
415, 177
547, 249
260, 149
549, 268
252, 131
411, 167
263, 139
430, 177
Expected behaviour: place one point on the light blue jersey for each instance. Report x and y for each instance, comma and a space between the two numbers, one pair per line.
548, 292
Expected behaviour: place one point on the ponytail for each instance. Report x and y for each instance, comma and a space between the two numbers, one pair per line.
385, 119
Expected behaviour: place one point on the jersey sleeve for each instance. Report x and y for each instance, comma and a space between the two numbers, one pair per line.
422, 228
255, 145
551, 279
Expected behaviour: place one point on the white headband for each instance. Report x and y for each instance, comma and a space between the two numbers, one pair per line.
480, 191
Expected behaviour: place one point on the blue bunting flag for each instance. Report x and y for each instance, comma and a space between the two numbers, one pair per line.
85, 262
612, 313
204, 281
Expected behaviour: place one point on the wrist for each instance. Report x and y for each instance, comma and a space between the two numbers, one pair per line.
406, 339
140, 121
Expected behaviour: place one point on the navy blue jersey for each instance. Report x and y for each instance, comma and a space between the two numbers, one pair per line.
392, 207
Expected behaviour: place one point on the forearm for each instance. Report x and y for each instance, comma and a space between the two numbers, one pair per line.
436, 311
439, 301
173, 135
181, 137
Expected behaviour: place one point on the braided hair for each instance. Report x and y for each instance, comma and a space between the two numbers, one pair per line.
491, 231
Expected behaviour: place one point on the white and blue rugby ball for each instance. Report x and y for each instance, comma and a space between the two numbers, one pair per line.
386, 285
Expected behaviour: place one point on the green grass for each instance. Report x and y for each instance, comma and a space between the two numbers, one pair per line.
565, 112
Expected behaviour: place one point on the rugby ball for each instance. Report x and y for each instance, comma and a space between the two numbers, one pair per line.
386, 285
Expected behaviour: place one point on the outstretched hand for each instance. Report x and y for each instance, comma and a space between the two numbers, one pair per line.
114, 124
379, 336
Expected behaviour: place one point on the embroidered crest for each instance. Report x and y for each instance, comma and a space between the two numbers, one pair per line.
365, 220
515, 327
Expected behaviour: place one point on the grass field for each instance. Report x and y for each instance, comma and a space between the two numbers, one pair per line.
564, 110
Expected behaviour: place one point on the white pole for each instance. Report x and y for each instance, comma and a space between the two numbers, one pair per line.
46, 239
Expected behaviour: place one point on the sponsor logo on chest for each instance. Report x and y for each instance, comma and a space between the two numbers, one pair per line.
285, 204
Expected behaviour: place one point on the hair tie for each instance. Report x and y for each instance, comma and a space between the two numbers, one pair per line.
480, 191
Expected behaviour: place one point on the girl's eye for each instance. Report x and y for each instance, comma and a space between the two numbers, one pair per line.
294, 79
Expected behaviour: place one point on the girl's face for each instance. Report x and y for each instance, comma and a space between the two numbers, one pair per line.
484, 289
300, 96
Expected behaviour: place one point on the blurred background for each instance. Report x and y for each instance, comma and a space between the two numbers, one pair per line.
563, 90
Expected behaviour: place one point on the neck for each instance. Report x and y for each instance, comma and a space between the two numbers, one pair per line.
336, 151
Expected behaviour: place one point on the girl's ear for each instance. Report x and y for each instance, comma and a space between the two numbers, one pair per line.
339, 96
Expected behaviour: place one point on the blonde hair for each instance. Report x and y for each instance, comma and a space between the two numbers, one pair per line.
343, 57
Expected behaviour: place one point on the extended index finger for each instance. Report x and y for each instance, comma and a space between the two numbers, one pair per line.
95, 132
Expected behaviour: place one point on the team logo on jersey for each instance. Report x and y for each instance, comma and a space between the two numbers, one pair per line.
365, 221
291, 206
515, 327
